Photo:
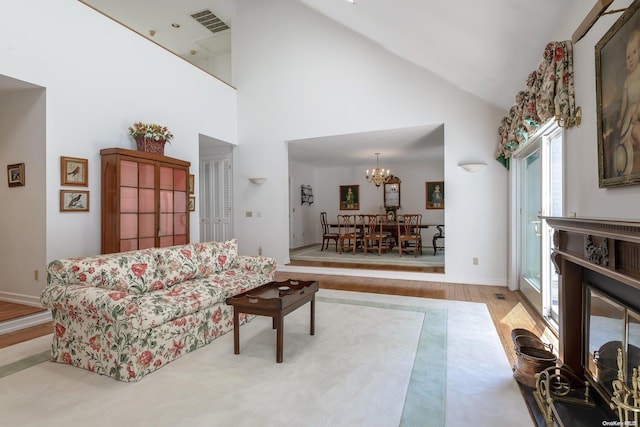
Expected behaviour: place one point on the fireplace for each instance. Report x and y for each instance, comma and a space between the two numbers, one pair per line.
610, 327
598, 262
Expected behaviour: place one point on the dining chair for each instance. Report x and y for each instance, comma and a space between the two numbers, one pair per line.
372, 226
439, 235
409, 233
327, 234
348, 233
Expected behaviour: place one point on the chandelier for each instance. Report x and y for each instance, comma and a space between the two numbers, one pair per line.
377, 176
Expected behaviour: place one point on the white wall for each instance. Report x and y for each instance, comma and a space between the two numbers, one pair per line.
304, 78
99, 78
583, 195
309, 77
326, 196
22, 217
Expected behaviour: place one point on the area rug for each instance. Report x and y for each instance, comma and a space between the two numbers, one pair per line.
375, 360
313, 253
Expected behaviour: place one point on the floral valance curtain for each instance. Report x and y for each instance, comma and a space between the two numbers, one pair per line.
549, 94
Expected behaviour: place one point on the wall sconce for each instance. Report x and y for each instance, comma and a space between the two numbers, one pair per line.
472, 167
258, 180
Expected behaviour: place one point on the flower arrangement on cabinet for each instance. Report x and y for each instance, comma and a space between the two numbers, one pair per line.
150, 131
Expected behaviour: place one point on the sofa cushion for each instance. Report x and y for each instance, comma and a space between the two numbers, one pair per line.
176, 264
215, 257
132, 272
182, 299
234, 281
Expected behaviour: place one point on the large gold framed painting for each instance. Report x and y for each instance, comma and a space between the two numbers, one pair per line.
618, 101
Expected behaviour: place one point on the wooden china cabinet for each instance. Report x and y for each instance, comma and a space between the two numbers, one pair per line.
144, 200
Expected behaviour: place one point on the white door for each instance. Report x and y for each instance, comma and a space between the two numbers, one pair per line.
215, 200
540, 186
531, 225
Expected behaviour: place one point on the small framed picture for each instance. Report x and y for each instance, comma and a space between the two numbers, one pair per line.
192, 184
15, 175
435, 194
349, 197
74, 201
192, 203
74, 171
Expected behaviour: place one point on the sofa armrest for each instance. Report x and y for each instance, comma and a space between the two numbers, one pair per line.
259, 264
105, 303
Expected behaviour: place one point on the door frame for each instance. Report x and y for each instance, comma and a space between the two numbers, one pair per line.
515, 208
216, 151
535, 144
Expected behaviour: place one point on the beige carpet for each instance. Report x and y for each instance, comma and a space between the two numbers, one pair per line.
358, 370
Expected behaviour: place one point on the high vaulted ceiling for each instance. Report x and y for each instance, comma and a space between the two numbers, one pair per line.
471, 43
485, 47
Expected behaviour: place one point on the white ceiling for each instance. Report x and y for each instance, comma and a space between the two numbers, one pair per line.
7, 84
470, 43
409, 144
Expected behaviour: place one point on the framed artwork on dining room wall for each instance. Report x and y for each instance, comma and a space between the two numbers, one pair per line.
349, 197
74, 171
306, 195
617, 57
434, 194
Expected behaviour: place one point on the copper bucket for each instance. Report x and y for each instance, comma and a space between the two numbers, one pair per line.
532, 356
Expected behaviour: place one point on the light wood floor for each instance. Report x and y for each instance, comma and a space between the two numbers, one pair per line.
509, 310
9, 311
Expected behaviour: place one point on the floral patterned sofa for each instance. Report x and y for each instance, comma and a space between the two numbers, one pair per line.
127, 314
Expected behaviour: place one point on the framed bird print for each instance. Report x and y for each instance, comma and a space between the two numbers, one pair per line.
74, 171
74, 201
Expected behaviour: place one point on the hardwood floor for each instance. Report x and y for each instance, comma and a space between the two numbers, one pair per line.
508, 309
26, 334
10, 310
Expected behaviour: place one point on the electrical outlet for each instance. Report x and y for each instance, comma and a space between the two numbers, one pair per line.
475, 260
36, 275
248, 214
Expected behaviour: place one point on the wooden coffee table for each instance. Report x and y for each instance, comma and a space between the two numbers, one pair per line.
276, 300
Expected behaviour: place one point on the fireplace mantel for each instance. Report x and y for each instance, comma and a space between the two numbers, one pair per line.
581, 245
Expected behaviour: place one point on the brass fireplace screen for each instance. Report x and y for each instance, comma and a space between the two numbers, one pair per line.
610, 326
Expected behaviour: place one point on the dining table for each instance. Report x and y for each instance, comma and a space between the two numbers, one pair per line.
387, 226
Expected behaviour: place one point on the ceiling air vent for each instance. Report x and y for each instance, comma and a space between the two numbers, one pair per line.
210, 21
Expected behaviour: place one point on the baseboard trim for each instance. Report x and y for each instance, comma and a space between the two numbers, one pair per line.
25, 322
29, 300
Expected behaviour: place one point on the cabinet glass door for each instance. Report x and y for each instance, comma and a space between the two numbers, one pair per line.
146, 206
173, 206
128, 206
